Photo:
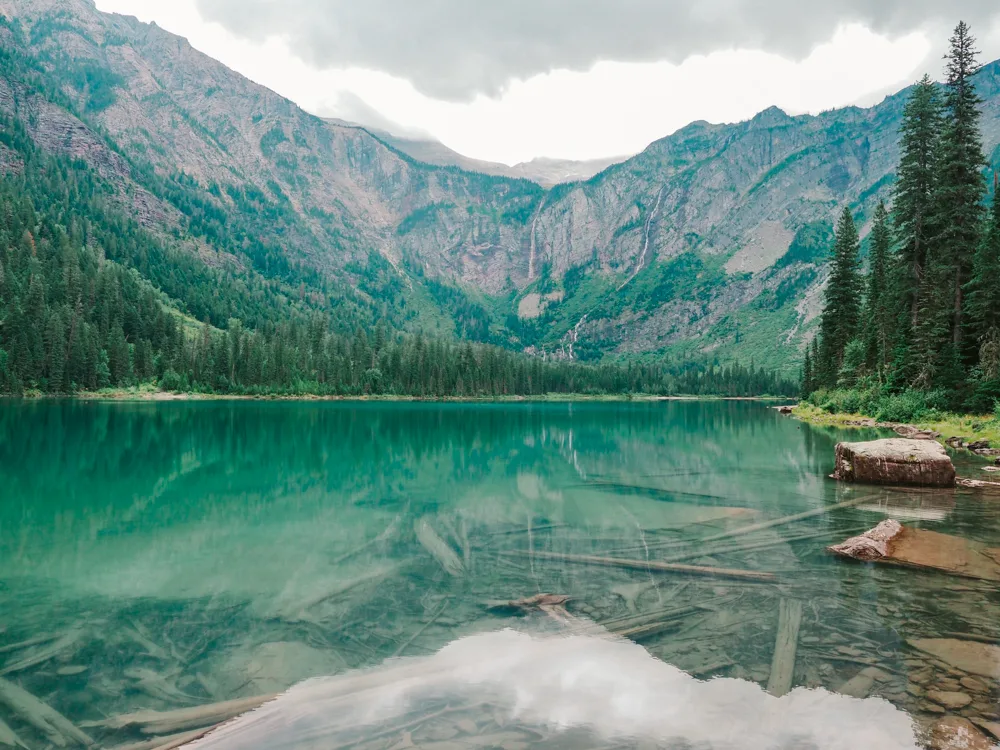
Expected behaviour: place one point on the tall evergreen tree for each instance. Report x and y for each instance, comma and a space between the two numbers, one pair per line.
912, 199
841, 317
958, 193
877, 318
983, 291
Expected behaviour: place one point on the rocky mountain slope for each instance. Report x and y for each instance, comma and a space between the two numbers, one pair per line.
546, 172
710, 242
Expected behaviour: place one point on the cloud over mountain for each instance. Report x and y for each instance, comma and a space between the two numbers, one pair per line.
455, 49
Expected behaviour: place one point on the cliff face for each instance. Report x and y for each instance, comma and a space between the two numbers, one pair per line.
711, 240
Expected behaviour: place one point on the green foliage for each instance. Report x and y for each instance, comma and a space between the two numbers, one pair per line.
842, 310
907, 406
271, 140
878, 318
929, 335
423, 216
810, 244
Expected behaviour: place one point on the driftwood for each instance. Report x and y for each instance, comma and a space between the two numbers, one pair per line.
891, 542
45, 654
786, 520
785, 646
30, 642
638, 632
8, 737
614, 562
297, 612
753, 546
170, 722
166, 743
438, 548
46, 719
390, 531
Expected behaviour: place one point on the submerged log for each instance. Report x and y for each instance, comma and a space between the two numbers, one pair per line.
891, 542
43, 655
786, 644
920, 463
43, 717
614, 562
8, 737
438, 548
170, 722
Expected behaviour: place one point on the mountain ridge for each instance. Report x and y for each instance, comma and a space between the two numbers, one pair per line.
710, 242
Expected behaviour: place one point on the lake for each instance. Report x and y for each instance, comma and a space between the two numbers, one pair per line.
167, 556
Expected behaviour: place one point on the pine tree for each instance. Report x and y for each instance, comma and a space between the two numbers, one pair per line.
958, 191
877, 318
807, 376
983, 291
841, 317
912, 199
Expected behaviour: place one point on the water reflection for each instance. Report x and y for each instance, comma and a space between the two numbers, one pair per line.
163, 556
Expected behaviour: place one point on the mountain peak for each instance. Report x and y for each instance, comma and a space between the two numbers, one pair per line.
770, 117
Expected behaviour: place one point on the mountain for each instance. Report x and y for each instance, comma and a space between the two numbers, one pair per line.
546, 172
711, 242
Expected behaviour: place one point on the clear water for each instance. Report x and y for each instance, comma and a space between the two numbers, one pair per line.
174, 555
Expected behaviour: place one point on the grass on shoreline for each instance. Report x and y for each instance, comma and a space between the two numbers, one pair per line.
968, 426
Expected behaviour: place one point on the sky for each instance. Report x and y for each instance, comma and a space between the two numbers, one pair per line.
571, 79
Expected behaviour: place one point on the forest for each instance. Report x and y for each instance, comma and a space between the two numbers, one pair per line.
919, 332
79, 312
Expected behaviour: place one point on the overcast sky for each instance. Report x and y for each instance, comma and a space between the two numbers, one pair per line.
514, 79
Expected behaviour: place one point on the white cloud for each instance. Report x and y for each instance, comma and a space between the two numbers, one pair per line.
613, 108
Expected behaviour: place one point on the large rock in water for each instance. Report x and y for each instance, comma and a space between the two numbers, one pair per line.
921, 463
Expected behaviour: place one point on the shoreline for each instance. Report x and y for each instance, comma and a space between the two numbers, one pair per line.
154, 396
968, 426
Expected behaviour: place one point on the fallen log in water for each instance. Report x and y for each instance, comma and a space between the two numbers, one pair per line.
439, 549
42, 656
167, 743
171, 722
30, 642
785, 520
891, 542
8, 737
614, 562
785, 646
43, 717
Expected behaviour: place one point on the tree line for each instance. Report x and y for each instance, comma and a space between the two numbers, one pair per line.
923, 324
72, 319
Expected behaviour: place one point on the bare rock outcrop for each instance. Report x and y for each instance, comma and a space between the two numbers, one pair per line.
896, 461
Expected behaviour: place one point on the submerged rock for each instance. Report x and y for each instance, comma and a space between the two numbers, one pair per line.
891, 542
969, 656
956, 733
896, 461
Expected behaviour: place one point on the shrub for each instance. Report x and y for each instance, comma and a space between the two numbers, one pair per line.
170, 381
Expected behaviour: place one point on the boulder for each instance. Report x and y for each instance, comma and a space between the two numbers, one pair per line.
784, 409
891, 542
956, 733
896, 461
978, 445
950, 699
